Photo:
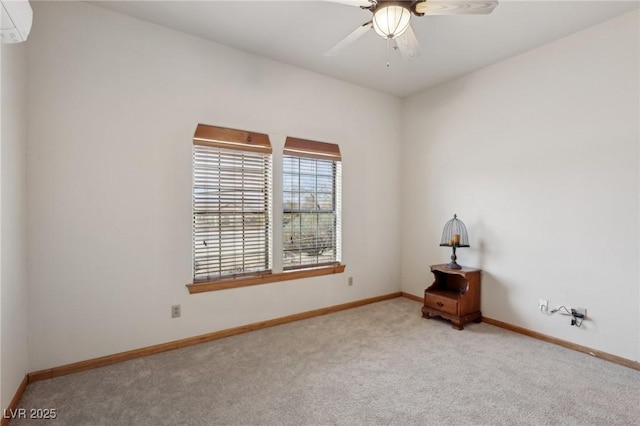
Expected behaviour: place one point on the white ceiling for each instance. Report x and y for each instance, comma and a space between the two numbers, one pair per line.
299, 32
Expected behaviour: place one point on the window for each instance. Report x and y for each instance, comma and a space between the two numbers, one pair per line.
232, 210
231, 203
311, 229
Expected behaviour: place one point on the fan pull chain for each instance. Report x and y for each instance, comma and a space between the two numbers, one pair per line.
388, 52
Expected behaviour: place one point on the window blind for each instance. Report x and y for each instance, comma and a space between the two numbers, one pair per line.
231, 203
311, 204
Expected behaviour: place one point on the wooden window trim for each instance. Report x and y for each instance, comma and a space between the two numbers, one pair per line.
224, 284
222, 137
312, 149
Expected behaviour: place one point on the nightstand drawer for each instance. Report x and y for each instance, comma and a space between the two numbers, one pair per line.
443, 304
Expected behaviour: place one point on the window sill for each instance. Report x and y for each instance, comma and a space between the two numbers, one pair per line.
202, 287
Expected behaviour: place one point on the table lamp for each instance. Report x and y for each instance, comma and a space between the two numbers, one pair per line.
454, 235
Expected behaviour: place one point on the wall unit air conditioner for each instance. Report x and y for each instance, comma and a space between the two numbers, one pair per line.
16, 17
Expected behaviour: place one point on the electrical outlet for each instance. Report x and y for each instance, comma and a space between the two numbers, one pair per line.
175, 311
350, 280
543, 305
580, 312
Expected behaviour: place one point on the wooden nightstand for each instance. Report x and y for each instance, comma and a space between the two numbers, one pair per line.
454, 295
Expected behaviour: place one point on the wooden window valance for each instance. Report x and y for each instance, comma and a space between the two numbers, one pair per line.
312, 149
231, 139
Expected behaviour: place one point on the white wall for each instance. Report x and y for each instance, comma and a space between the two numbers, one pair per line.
13, 249
113, 104
539, 156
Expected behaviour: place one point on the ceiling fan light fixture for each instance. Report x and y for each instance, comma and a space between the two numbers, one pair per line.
391, 20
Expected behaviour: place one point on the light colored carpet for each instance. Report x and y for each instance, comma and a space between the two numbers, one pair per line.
380, 364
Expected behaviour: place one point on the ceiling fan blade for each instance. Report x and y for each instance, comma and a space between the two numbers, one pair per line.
358, 3
455, 7
356, 34
408, 44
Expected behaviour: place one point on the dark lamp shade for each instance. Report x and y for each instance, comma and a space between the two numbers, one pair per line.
454, 234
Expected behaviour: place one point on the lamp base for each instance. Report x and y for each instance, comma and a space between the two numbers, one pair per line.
453, 264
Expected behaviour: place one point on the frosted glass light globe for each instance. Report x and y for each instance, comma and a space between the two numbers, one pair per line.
391, 21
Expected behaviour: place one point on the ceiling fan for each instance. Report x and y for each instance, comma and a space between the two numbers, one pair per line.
392, 20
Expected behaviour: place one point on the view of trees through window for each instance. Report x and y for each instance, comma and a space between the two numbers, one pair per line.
310, 214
